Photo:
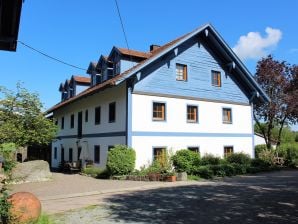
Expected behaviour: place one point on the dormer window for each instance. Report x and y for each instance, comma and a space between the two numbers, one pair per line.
117, 68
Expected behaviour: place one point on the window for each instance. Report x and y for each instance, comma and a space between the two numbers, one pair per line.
216, 78
227, 115
79, 152
55, 153
110, 147
192, 114
194, 149
86, 115
97, 115
159, 111
56, 122
72, 121
96, 154
160, 154
117, 68
70, 155
112, 112
228, 150
62, 123
181, 72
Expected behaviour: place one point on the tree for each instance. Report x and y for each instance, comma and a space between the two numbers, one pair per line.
279, 81
21, 119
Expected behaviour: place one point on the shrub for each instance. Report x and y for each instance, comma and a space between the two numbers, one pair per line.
94, 171
204, 172
209, 159
240, 168
222, 170
267, 156
185, 161
263, 165
7, 151
289, 152
259, 148
239, 158
121, 160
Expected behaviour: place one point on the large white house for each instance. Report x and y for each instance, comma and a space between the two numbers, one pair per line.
192, 92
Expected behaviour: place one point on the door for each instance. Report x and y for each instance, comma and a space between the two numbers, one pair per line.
80, 124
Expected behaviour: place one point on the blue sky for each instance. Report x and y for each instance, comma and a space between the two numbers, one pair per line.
80, 31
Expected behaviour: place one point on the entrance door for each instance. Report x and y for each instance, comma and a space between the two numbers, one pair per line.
80, 120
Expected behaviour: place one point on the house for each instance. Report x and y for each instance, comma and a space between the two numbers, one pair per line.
192, 92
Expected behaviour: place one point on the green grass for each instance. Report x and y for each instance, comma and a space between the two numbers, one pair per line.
44, 219
193, 177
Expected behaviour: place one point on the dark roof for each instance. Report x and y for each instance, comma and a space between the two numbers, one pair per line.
81, 79
215, 39
133, 53
10, 13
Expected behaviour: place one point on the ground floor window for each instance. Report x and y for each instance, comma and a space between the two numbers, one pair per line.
55, 153
228, 150
160, 154
96, 154
194, 149
70, 154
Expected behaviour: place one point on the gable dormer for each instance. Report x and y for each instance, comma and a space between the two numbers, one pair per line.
79, 84
63, 92
94, 73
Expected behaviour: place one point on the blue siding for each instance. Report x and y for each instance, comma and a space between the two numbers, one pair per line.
125, 65
160, 77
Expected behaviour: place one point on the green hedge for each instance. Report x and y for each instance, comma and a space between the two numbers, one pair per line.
185, 161
209, 159
239, 158
289, 151
121, 160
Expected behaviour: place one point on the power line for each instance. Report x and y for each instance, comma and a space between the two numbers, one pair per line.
122, 25
48, 56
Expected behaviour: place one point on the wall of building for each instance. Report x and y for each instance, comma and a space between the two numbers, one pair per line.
210, 134
103, 134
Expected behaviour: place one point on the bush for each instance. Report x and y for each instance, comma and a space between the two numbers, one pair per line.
222, 170
239, 158
7, 151
204, 172
240, 168
185, 161
267, 156
289, 152
259, 148
209, 159
263, 165
121, 160
96, 172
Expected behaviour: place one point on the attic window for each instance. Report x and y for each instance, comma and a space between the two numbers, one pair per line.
216, 78
181, 72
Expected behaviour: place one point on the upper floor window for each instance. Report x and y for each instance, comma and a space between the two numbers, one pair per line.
86, 115
181, 72
227, 115
159, 111
216, 78
96, 154
192, 114
97, 115
62, 123
194, 149
72, 121
112, 112
228, 150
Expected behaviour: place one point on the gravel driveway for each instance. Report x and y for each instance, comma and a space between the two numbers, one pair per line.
263, 198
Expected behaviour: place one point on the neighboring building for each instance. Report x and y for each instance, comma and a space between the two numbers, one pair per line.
192, 93
259, 140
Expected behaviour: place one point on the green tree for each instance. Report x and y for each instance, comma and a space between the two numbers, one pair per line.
21, 118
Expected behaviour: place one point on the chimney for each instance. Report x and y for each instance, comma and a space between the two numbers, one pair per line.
154, 47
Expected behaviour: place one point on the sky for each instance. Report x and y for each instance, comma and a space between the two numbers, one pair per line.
79, 31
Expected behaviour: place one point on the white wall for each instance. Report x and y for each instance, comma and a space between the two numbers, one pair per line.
209, 134
102, 99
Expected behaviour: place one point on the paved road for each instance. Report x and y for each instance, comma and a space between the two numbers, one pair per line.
264, 198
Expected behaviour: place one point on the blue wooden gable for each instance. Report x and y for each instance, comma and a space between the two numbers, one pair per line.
160, 77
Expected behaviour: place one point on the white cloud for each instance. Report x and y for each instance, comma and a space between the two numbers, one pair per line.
254, 46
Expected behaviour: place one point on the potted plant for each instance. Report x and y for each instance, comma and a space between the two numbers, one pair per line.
170, 177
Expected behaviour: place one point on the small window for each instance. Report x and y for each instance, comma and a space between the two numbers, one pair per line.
86, 115
228, 150
70, 154
159, 154
216, 78
112, 112
159, 111
55, 153
96, 154
192, 114
117, 68
56, 122
110, 147
227, 115
72, 121
181, 72
194, 149
97, 115
62, 123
